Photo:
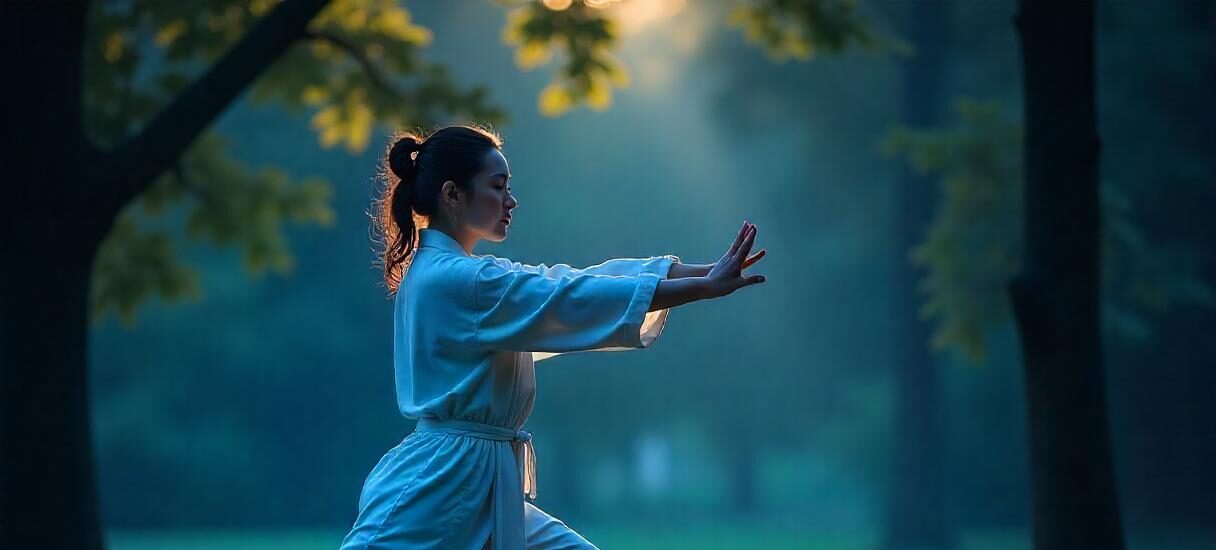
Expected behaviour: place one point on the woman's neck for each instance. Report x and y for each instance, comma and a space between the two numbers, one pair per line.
466, 242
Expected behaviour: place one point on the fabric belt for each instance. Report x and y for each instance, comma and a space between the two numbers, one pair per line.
508, 530
521, 444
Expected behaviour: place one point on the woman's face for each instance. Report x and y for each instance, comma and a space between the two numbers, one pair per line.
487, 213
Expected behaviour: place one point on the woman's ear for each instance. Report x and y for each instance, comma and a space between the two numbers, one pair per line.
450, 193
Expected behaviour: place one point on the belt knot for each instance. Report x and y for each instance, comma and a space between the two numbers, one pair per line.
525, 454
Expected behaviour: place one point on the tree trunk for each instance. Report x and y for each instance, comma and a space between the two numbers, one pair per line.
48, 495
62, 204
916, 505
1056, 297
49, 488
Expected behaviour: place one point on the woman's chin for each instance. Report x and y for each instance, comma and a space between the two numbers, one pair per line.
499, 233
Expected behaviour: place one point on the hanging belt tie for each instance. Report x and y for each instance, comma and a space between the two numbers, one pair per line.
521, 444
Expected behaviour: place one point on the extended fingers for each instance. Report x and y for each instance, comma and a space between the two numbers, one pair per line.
745, 247
755, 258
738, 240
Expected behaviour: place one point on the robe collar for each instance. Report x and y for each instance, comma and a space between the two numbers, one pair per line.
434, 238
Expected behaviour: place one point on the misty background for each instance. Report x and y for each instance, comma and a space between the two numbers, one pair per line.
770, 415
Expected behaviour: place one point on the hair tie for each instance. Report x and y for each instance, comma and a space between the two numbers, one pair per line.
417, 156
408, 147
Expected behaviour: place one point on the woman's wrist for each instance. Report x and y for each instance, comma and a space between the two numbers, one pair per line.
682, 270
706, 287
676, 292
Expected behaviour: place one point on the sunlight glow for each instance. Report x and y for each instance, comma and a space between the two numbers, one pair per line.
632, 15
636, 15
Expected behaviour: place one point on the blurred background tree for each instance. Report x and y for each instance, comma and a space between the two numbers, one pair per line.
356, 67
814, 405
117, 100
974, 245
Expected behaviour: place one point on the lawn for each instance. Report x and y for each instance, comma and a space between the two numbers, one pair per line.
707, 537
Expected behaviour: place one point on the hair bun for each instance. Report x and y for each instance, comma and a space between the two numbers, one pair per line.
401, 157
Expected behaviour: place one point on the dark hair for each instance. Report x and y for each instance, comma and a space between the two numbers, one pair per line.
414, 170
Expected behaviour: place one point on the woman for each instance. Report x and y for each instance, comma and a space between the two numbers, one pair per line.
467, 331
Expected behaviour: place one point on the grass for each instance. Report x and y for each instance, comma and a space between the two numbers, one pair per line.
717, 536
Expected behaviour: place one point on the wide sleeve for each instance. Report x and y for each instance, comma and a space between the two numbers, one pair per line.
530, 311
624, 267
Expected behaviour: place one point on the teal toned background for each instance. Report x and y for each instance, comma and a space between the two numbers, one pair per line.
248, 419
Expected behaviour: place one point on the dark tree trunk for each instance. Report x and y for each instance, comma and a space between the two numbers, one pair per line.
61, 202
49, 488
48, 496
1056, 297
916, 505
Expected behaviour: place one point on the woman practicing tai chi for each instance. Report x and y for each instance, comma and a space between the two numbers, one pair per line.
467, 330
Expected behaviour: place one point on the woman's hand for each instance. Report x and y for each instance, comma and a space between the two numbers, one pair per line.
722, 278
682, 270
726, 276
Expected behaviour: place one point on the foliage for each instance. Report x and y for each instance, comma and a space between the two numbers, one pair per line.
1142, 275
230, 205
802, 28
974, 244
584, 33
134, 264
580, 32
358, 65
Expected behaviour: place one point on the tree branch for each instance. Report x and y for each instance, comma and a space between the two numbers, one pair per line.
352, 49
134, 164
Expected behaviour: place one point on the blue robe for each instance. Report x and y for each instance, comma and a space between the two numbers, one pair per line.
468, 330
